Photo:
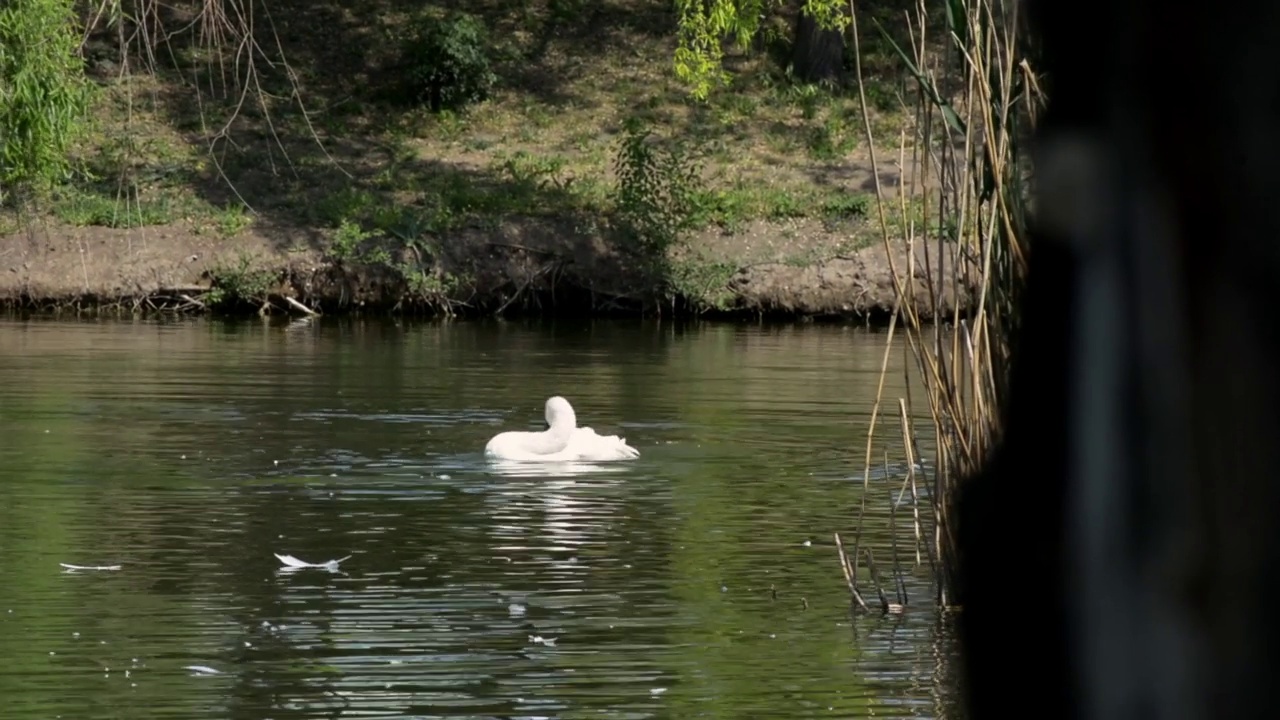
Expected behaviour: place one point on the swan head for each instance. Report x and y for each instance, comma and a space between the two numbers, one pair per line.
559, 415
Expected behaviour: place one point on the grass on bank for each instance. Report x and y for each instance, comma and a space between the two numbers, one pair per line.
304, 134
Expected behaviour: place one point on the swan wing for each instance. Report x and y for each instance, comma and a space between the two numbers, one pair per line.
586, 444
527, 446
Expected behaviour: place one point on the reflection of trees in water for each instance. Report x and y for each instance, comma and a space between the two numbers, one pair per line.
650, 575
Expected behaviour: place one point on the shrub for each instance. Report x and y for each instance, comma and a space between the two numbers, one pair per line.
657, 191
448, 61
44, 95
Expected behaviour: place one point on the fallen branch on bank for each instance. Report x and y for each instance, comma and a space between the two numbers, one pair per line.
295, 304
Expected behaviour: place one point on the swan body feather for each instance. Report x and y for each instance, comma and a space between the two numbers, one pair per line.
562, 441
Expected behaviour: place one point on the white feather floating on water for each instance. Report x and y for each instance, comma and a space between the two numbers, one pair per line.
69, 566
202, 670
294, 563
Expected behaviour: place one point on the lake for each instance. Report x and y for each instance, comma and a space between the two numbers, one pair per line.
700, 580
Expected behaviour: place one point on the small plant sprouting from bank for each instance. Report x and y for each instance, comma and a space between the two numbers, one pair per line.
350, 241
44, 95
703, 283
656, 190
833, 139
659, 197
401, 246
232, 219
431, 286
447, 60
239, 284
427, 282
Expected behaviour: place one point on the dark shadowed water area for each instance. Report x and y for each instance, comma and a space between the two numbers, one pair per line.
698, 581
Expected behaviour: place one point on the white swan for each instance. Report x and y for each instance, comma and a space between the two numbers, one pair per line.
562, 441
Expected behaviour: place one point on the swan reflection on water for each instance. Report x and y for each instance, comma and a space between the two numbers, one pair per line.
562, 468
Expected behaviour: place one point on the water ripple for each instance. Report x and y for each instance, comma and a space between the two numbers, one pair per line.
699, 579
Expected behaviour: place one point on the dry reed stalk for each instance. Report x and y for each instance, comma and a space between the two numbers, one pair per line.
899, 583
850, 571
850, 574
909, 443
886, 607
970, 237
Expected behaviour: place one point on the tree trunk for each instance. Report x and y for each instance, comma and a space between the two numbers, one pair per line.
817, 54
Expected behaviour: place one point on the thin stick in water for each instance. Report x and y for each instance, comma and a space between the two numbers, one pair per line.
908, 442
875, 581
849, 574
899, 584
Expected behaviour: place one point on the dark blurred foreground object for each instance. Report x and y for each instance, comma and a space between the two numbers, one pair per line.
1119, 553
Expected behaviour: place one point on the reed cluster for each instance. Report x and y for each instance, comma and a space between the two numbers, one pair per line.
961, 211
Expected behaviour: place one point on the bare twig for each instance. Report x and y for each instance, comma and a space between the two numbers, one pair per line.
909, 444
850, 575
885, 606
525, 285
899, 584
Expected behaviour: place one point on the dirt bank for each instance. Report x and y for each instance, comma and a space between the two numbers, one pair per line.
532, 265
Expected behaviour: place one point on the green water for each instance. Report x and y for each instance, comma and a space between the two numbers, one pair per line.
697, 581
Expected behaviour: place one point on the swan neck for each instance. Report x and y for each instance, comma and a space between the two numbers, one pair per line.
562, 427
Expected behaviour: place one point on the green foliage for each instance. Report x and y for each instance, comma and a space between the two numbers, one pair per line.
657, 190
399, 244
732, 207
430, 285
343, 205
93, 203
699, 55
84, 208
44, 95
237, 284
833, 139
703, 283
448, 61
349, 240
231, 219
535, 174
846, 206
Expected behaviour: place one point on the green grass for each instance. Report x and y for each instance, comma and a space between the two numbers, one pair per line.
231, 219
242, 282
543, 145
85, 208
87, 204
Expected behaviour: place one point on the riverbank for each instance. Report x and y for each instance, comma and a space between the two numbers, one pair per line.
315, 183
799, 268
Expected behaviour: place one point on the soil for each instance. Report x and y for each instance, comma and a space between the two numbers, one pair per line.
539, 154
533, 265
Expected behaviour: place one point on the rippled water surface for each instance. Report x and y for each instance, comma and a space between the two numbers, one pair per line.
697, 581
